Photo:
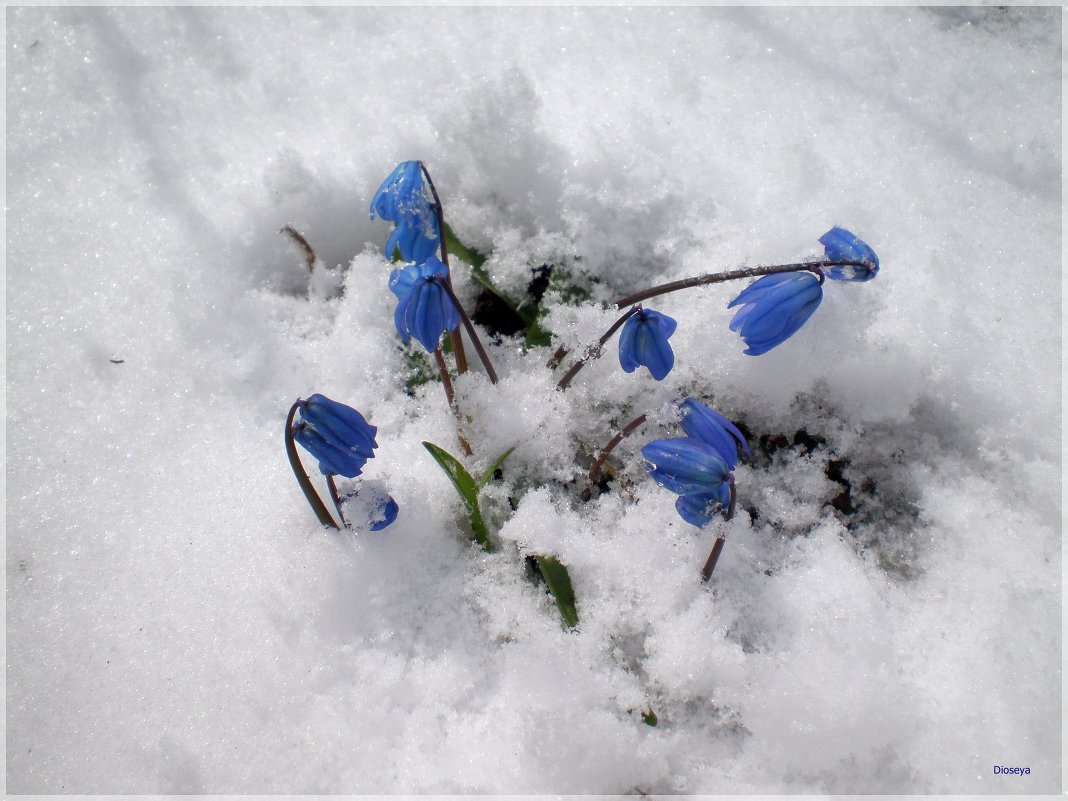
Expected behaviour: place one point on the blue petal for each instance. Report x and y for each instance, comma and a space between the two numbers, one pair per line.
795, 321
627, 339
342, 425
332, 459
684, 465
652, 350
384, 514
402, 279
712, 428
772, 313
842, 245
760, 286
699, 508
385, 199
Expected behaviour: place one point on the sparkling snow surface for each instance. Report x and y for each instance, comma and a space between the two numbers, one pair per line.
179, 623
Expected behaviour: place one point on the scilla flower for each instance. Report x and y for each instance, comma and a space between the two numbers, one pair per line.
712, 428
687, 466
842, 245
644, 342
402, 199
774, 307
335, 434
424, 309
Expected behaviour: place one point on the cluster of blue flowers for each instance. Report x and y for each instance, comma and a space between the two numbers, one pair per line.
772, 309
424, 308
342, 440
698, 467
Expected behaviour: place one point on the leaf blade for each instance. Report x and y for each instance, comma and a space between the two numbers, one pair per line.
467, 489
559, 583
494, 467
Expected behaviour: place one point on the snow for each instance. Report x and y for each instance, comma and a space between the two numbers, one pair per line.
178, 622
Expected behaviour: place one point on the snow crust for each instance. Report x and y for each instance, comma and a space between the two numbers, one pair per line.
179, 623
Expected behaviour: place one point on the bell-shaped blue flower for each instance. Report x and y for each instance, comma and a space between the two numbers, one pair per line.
773, 308
842, 245
685, 465
402, 199
712, 428
644, 342
424, 308
701, 508
335, 434
385, 512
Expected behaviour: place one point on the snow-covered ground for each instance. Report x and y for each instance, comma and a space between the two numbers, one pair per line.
179, 623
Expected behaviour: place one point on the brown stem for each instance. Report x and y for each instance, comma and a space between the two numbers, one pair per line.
336, 497
625, 432
747, 272
450, 395
558, 357
302, 243
439, 213
481, 351
710, 565
593, 353
306, 487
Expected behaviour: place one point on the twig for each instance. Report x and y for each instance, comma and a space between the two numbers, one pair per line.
302, 243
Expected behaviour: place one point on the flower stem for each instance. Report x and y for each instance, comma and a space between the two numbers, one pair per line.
595, 352
306, 487
450, 395
470, 332
746, 272
710, 563
439, 214
625, 432
336, 497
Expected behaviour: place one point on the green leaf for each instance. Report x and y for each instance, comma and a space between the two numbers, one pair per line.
559, 584
493, 467
649, 718
466, 487
476, 260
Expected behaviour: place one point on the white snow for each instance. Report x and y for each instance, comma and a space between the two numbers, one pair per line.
178, 622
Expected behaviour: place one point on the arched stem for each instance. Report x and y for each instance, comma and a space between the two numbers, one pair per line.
623, 433
747, 272
336, 497
595, 352
713, 558
303, 480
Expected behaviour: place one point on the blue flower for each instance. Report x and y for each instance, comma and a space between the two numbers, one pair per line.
385, 512
335, 434
773, 308
402, 199
842, 245
644, 341
712, 428
424, 309
688, 466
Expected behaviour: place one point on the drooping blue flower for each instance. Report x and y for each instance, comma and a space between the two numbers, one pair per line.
773, 308
424, 308
335, 434
685, 466
842, 245
712, 428
644, 342
402, 199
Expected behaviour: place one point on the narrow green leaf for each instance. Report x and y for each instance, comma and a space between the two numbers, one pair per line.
559, 584
467, 489
493, 467
649, 718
